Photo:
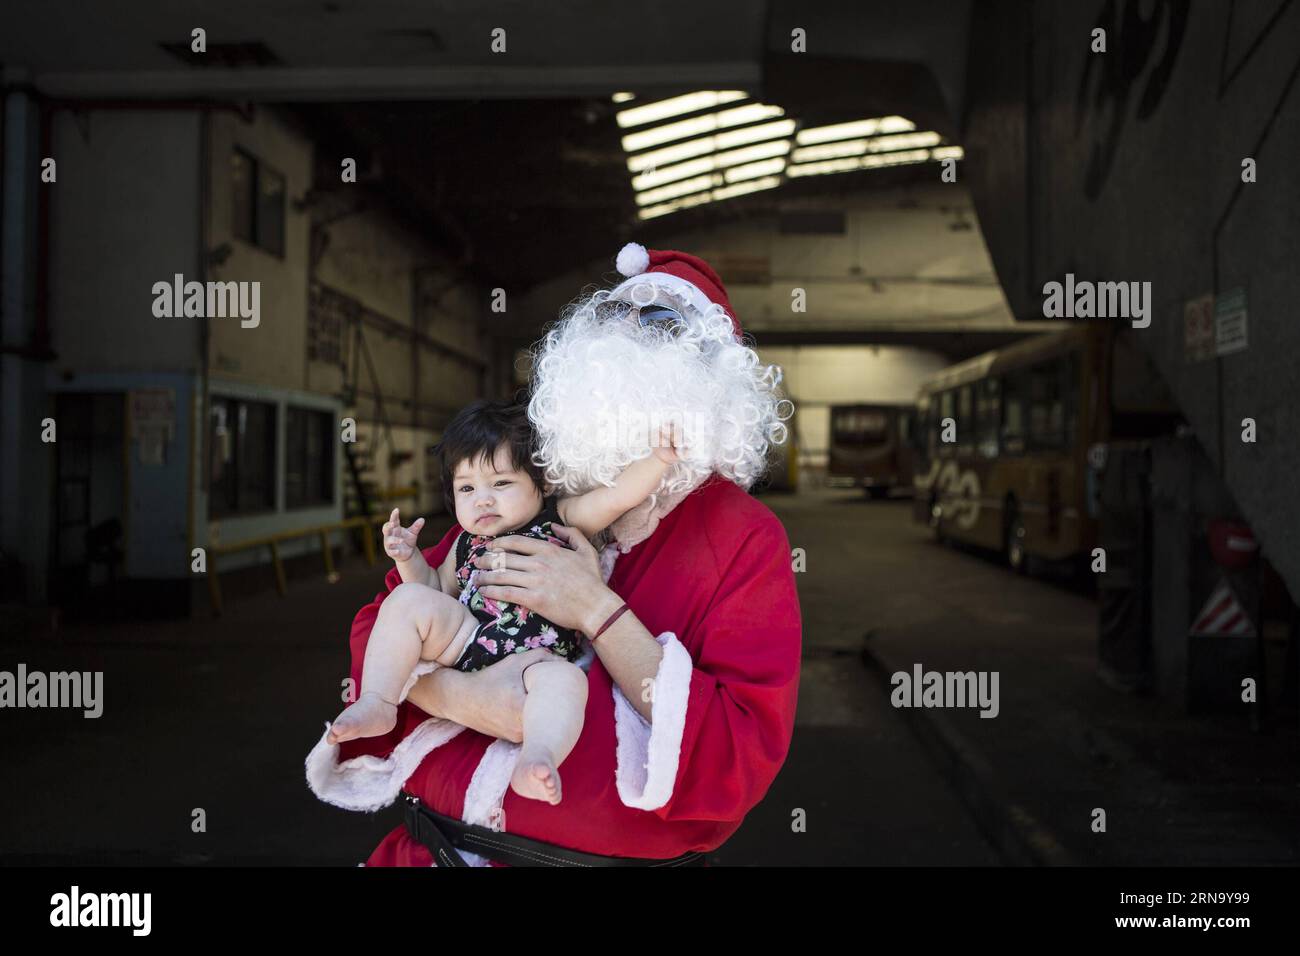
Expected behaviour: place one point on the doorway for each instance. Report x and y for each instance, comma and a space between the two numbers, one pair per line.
89, 553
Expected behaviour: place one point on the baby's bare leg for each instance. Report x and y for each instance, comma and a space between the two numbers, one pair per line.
553, 714
415, 623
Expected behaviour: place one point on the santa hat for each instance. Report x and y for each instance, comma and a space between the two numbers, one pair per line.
676, 272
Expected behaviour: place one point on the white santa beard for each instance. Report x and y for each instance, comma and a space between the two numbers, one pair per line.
602, 389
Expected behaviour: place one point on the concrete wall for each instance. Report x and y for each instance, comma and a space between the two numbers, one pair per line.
1127, 165
423, 328
124, 214
275, 352
397, 275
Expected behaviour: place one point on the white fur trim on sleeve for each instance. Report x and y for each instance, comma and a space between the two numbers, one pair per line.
648, 753
368, 783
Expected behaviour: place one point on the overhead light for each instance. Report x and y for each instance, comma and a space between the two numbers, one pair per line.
859, 147
896, 159
887, 144
869, 127
623, 97
676, 205
635, 142
776, 147
670, 174
848, 147
900, 158
747, 154
740, 189
749, 113
767, 167
717, 154
754, 134
671, 154
674, 190
825, 166
676, 106
659, 158
699, 199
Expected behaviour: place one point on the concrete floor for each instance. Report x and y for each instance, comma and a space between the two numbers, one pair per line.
218, 713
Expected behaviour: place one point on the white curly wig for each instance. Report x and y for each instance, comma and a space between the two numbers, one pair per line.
603, 388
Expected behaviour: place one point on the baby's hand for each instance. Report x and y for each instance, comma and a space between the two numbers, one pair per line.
668, 444
399, 542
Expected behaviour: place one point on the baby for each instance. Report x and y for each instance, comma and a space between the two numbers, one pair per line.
438, 614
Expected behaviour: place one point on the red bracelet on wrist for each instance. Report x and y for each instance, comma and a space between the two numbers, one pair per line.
608, 621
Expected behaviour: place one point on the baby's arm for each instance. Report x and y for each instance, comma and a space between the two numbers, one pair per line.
445, 573
597, 509
399, 544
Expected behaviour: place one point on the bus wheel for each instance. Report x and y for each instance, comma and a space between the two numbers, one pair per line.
1013, 544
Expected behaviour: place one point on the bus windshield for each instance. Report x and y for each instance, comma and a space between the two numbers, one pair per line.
860, 425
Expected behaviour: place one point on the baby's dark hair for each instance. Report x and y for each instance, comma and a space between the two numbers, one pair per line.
477, 431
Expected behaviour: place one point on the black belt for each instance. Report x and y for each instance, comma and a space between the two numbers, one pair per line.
443, 836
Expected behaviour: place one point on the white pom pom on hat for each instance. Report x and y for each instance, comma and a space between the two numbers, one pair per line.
633, 260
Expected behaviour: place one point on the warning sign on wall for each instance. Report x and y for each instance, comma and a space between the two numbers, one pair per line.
1230, 322
1223, 616
1198, 328
153, 423
153, 408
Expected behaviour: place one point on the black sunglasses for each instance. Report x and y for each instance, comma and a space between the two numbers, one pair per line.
647, 315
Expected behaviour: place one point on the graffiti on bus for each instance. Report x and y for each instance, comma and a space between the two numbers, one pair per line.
956, 489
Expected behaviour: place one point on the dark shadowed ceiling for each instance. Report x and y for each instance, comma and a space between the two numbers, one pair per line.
510, 161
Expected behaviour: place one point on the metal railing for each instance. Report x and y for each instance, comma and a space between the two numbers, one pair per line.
363, 523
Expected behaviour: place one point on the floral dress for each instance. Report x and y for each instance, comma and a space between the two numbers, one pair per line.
508, 628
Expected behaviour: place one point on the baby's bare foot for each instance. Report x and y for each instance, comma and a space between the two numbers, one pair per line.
535, 777
370, 716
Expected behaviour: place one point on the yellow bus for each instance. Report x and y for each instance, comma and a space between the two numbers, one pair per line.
1003, 440
870, 448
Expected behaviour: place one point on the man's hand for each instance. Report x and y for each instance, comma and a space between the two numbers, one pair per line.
490, 700
399, 542
561, 584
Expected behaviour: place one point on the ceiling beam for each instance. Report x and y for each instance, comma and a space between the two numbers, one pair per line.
953, 344
289, 84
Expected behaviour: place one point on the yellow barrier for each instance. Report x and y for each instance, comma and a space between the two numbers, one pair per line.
273, 541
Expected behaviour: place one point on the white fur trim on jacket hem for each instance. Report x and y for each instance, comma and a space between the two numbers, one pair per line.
649, 753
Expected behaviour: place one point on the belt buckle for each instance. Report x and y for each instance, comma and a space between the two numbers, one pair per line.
423, 832
413, 816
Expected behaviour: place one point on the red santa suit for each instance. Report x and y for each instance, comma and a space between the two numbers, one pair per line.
708, 573
714, 583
